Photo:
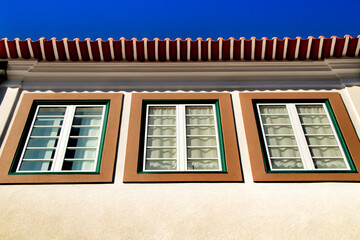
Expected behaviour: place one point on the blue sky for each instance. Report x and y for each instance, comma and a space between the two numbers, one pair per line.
197, 18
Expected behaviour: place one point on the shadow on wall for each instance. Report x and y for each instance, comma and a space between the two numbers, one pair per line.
3, 66
3, 77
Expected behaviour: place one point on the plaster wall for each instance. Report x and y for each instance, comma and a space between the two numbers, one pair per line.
184, 210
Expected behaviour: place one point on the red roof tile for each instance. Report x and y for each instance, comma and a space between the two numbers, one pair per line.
180, 50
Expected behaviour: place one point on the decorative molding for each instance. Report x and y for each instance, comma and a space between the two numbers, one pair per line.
331, 73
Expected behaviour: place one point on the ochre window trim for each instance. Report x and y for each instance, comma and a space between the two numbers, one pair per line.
109, 148
254, 143
233, 174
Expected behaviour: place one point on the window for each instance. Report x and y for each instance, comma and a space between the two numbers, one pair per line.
300, 137
66, 137
181, 137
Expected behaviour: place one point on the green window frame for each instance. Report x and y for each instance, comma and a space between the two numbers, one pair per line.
181, 127
328, 154
62, 137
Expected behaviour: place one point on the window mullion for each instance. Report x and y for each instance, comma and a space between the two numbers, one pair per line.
63, 139
300, 137
181, 137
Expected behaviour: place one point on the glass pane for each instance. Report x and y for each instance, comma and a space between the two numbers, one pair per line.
49, 121
78, 165
317, 129
42, 142
278, 130
161, 153
281, 140
201, 141
87, 121
48, 131
35, 166
310, 109
200, 130
202, 152
161, 142
162, 131
202, 164
325, 151
39, 154
284, 152
275, 119
162, 110
199, 110
51, 111
273, 109
287, 164
314, 119
160, 165
200, 120
88, 111
80, 153
329, 163
85, 131
82, 142
161, 120
321, 140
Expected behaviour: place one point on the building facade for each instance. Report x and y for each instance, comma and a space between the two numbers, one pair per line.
226, 139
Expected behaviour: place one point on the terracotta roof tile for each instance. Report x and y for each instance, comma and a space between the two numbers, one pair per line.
181, 50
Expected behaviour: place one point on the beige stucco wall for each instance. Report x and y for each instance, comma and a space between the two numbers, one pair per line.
184, 210
181, 211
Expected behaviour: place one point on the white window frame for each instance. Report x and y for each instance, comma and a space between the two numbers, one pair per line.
181, 145
63, 139
300, 138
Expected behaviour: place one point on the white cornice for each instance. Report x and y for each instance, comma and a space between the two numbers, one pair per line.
348, 70
176, 66
331, 73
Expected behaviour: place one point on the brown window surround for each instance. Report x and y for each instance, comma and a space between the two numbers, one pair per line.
233, 173
109, 148
254, 145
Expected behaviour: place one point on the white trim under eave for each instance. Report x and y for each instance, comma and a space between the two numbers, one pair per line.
193, 75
